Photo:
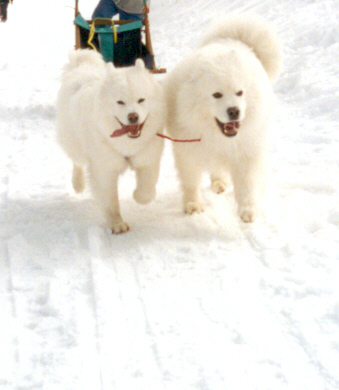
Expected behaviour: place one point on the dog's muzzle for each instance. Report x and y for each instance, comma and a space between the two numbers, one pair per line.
230, 129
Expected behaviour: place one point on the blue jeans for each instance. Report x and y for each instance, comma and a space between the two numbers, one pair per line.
107, 9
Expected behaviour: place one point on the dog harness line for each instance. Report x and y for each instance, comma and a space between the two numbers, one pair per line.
134, 131
178, 140
125, 130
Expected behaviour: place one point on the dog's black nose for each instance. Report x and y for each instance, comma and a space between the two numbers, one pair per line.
233, 113
133, 117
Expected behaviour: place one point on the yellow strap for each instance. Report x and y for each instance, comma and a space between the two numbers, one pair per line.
115, 33
91, 36
92, 32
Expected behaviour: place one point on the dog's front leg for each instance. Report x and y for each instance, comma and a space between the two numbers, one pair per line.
147, 178
147, 165
190, 178
249, 182
189, 173
104, 185
192, 197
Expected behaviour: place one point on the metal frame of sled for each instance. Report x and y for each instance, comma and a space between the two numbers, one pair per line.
108, 33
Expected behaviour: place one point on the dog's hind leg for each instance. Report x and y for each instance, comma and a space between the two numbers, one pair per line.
78, 178
218, 186
219, 182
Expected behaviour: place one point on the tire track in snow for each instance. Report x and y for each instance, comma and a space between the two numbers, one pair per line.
148, 326
128, 354
270, 243
87, 321
54, 319
8, 338
310, 352
4, 192
266, 241
8, 319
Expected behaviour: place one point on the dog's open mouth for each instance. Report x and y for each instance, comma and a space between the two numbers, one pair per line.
230, 129
133, 131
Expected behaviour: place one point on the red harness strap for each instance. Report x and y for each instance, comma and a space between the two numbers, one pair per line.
178, 140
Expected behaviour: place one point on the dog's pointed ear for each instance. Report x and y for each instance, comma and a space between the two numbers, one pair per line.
139, 64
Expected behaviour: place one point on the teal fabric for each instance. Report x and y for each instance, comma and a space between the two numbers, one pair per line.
105, 34
106, 43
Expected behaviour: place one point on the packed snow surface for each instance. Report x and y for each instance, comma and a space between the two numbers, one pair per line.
202, 302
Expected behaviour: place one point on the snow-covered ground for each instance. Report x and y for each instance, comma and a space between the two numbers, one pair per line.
200, 302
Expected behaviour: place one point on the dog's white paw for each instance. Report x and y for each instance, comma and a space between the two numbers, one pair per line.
218, 186
119, 228
246, 214
144, 197
194, 207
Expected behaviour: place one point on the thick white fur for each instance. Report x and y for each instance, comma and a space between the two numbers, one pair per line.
87, 108
238, 53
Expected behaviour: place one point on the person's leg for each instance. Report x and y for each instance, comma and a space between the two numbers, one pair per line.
127, 16
105, 9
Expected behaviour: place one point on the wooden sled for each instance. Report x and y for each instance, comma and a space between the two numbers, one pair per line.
119, 41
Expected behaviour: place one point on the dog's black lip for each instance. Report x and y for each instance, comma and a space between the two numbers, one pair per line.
222, 126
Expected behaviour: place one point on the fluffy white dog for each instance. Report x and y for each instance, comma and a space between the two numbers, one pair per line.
222, 92
107, 120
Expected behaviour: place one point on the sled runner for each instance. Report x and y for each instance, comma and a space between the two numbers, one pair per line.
119, 41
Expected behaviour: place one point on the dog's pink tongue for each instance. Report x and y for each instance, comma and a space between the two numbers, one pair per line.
131, 130
119, 132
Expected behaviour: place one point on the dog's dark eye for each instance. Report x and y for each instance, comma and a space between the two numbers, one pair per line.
217, 95
239, 93
120, 102
141, 100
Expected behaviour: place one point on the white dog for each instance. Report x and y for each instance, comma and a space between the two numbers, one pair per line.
107, 120
222, 92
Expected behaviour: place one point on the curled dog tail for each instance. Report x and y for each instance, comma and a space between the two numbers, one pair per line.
253, 31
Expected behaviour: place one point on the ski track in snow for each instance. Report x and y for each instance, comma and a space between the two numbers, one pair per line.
200, 302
